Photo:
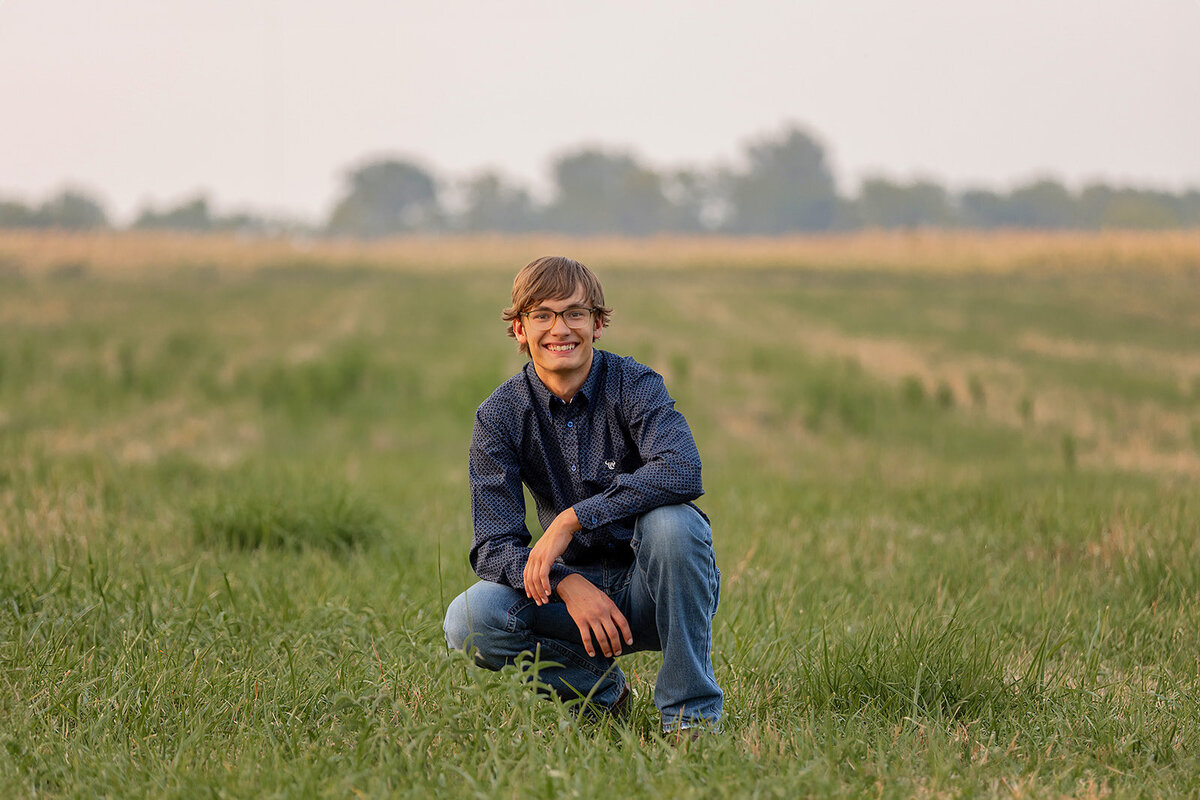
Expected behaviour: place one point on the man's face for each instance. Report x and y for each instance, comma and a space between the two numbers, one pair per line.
561, 350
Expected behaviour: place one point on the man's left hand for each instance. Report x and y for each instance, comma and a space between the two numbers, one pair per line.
552, 544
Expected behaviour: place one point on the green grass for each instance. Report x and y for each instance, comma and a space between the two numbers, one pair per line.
957, 518
288, 513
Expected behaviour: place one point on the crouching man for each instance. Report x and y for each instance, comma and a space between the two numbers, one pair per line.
625, 562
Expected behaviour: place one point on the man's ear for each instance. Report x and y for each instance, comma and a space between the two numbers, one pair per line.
519, 330
598, 329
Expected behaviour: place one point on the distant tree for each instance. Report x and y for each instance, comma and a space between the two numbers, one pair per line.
983, 208
885, 204
1189, 208
1092, 205
1102, 206
1048, 204
494, 204
1147, 208
1044, 203
190, 215
386, 197
603, 192
68, 210
248, 222
15, 214
787, 186
73, 210
847, 215
692, 201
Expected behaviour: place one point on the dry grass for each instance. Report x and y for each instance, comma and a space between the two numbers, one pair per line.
1185, 366
1132, 441
135, 253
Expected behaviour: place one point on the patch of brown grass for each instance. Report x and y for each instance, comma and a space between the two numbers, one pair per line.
137, 253
1140, 437
1184, 366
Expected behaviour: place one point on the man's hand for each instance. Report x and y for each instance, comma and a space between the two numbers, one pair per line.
596, 615
552, 544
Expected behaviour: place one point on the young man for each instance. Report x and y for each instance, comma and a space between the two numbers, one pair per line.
626, 560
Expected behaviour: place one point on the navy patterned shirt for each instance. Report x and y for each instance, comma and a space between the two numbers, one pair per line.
617, 450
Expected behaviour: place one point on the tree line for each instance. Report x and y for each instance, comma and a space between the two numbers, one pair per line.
783, 185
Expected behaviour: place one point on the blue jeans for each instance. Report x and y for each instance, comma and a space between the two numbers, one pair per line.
668, 594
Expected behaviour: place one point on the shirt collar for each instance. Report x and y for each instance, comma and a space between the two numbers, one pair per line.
548, 399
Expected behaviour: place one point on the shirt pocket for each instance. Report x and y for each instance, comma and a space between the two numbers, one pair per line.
610, 461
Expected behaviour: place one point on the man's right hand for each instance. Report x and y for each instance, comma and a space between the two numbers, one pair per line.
596, 614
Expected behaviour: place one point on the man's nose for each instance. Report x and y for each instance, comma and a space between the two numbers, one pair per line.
560, 319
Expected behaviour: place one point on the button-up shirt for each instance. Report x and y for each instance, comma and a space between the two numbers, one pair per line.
616, 451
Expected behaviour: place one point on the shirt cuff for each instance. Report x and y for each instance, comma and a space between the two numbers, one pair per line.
592, 516
557, 573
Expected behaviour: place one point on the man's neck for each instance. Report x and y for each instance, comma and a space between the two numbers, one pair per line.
564, 386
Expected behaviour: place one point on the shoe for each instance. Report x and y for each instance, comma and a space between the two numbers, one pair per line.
688, 733
619, 710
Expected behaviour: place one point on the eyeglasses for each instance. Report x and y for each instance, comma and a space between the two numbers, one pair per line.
542, 319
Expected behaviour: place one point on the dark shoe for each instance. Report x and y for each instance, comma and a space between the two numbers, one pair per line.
618, 711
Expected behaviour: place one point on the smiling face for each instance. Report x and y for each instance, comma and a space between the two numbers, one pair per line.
562, 355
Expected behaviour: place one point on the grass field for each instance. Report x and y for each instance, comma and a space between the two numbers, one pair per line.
955, 496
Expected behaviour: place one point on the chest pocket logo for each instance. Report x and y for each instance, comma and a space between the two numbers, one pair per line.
610, 464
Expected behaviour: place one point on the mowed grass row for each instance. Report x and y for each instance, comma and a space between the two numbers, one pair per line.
956, 517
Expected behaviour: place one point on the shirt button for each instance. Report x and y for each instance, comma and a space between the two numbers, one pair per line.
574, 467
570, 424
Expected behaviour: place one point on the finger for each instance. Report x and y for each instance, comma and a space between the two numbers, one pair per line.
586, 636
531, 583
602, 638
536, 580
610, 630
623, 624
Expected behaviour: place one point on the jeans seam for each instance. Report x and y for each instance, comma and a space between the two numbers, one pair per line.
626, 578
715, 583
515, 609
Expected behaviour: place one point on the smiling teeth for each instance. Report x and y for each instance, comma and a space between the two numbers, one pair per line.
560, 348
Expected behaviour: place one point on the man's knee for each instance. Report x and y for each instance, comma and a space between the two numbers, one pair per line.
477, 619
457, 626
671, 532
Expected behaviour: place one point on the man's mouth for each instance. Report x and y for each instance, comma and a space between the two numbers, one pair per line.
561, 348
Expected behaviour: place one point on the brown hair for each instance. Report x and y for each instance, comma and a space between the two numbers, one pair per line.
553, 278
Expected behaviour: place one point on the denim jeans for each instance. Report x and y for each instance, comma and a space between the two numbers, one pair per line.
669, 594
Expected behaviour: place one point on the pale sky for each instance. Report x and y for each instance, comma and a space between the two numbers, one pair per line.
265, 104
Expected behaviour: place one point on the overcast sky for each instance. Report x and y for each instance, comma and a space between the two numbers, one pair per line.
266, 103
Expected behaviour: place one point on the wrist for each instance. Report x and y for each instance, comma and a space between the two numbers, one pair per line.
569, 584
567, 520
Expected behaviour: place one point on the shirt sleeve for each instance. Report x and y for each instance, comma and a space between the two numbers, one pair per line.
670, 472
500, 545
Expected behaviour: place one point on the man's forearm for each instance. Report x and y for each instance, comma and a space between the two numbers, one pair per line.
502, 559
542, 557
631, 494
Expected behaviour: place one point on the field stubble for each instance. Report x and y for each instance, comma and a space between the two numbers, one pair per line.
954, 504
